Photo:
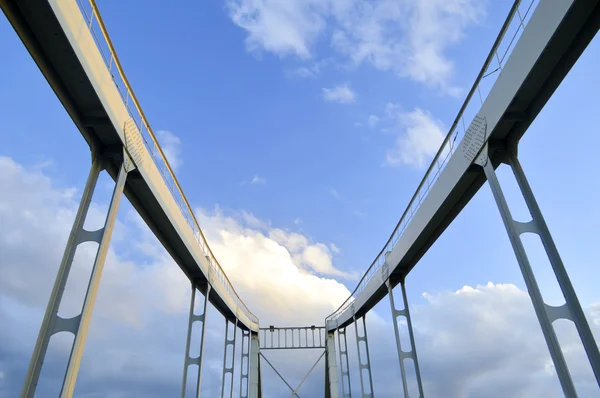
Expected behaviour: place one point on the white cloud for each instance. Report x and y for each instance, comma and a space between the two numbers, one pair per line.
333, 192
481, 341
302, 71
298, 221
359, 213
307, 71
274, 269
408, 37
334, 248
419, 137
258, 180
171, 146
254, 181
142, 289
341, 94
281, 27
372, 121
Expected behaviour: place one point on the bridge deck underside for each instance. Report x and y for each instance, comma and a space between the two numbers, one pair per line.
37, 26
568, 42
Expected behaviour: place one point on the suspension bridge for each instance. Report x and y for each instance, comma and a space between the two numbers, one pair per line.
535, 49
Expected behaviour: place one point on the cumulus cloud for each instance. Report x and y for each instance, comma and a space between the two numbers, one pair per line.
281, 27
143, 297
254, 181
408, 37
258, 180
307, 71
341, 94
419, 137
334, 248
171, 146
294, 253
372, 121
481, 341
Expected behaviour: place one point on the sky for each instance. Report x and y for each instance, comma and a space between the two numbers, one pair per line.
298, 130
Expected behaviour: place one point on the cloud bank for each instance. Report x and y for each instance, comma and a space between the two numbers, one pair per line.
481, 341
409, 37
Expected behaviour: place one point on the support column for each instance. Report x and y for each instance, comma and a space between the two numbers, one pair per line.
345, 372
228, 369
331, 373
200, 358
574, 311
255, 382
364, 363
403, 355
79, 324
52, 323
546, 314
245, 365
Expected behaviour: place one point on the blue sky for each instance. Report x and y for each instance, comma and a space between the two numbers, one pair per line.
292, 111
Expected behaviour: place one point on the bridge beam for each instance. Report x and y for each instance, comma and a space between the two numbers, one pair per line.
331, 373
546, 314
403, 355
364, 361
199, 360
78, 325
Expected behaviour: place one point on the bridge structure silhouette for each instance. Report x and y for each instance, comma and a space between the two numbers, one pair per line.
536, 47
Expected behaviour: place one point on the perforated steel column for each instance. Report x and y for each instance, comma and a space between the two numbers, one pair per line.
245, 364
79, 324
571, 310
344, 363
228, 369
403, 355
199, 360
53, 323
546, 314
364, 362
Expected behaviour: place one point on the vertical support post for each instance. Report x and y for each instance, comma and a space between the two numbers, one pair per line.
245, 365
402, 355
90, 296
345, 372
364, 363
255, 382
187, 342
575, 312
228, 369
79, 324
327, 393
331, 374
412, 340
532, 287
51, 318
200, 358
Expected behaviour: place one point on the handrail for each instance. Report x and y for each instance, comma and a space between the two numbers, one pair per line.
446, 146
185, 208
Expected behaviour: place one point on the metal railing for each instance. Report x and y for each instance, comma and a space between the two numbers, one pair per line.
291, 338
486, 78
105, 46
